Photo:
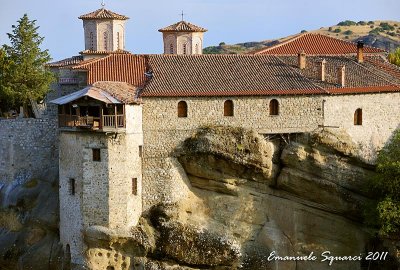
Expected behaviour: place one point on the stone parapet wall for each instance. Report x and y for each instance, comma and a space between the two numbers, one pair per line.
28, 148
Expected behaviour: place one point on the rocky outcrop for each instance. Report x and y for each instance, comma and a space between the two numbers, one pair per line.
29, 225
248, 199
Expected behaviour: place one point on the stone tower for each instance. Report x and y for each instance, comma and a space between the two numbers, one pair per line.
100, 166
104, 32
183, 38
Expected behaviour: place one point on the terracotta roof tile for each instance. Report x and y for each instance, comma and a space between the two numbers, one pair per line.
124, 92
66, 62
183, 26
103, 13
315, 44
116, 67
104, 52
224, 75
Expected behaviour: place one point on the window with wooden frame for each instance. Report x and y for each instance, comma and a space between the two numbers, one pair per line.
71, 186
228, 108
182, 109
358, 117
96, 154
273, 107
134, 186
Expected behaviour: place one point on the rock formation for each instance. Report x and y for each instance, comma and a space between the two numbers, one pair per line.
250, 195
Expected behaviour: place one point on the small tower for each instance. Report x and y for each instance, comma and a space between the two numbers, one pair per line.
104, 32
183, 38
100, 166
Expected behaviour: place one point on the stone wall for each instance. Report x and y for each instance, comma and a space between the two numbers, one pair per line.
164, 131
380, 118
28, 149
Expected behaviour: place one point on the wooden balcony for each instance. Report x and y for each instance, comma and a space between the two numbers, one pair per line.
105, 122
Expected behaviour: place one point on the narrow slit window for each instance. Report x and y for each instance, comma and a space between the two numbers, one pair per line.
184, 49
71, 187
96, 154
358, 117
140, 150
182, 109
134, 186
228, 108
171, 49
273, 107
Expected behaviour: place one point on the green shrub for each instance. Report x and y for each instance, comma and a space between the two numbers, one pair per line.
362, 23
347, 23
337, 30
303, 31
222, 43
371, 22
386, 26
385, 187
348, 32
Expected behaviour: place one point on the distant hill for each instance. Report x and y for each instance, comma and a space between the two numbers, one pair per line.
380, 34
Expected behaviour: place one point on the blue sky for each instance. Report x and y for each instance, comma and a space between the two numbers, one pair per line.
231, 21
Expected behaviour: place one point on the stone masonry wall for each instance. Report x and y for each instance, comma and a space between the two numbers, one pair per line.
164, 131
28, 149
380, 118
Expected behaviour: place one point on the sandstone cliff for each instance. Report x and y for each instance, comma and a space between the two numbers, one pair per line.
248, 195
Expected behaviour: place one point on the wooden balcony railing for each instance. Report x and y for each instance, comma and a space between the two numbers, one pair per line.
106, 121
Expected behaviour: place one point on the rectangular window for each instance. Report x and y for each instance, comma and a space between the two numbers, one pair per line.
134, 186
96, 154
140, 150
71, 187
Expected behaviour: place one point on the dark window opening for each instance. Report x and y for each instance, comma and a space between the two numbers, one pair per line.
228, 108
71, 188
358, 117
182, 109
273, 107
96, 154
140, 150
134, 186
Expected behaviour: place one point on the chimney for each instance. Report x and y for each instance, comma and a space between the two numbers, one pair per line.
322, 70
302, 60
360, 51
342, 76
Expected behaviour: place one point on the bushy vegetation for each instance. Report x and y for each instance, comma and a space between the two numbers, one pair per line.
337, 30
386, 188
23, 75
386, 26
348, 32
362, 23
394, 57
347, 23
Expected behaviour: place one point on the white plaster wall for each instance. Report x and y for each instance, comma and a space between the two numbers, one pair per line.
380, 115
168, 39
104, 26
118, 27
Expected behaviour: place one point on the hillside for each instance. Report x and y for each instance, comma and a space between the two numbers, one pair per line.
380, 34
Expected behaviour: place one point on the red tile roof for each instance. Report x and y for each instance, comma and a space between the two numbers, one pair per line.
315, 44
364, 90
103, 13
66, 62
183, 26
115, 67
104, 52
224, 75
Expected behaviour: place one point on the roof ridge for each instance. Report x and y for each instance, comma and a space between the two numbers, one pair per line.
376, 74
280, 43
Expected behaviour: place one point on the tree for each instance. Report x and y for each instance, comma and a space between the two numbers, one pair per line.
386, 187
394, 57
25, 76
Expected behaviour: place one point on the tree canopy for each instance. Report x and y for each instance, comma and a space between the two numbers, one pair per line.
386, 186
23, 75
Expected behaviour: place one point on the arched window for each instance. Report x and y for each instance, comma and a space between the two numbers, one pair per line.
105, 41
273, 107
91, 40
171, 48
182, 109
228, 108
184, 49
358, 117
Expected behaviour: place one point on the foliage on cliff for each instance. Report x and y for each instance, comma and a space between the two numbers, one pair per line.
23, 75
394, 57
386, 185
